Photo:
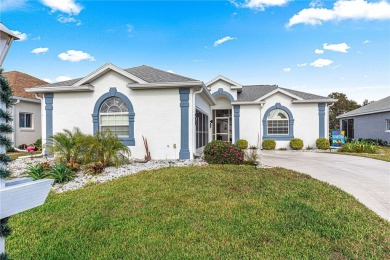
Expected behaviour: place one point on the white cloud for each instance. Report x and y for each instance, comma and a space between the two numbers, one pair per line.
48, 80
36, 38
366, 42
129, 28
319, 63
343, 10
315, 3
40, 50
259, 4
170, 71
222, 40
302, 65
340, 47
318, 51
75, 56
62, 78
63, 19
286, 69
64, 6
20, 35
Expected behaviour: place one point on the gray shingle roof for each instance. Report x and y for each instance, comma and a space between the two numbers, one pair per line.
254, 92
153, 75
146, 73
381, 105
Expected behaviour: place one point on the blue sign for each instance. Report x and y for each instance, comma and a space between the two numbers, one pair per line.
338, 138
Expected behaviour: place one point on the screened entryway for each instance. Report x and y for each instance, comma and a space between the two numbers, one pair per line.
348, 127
202, 128
222, 127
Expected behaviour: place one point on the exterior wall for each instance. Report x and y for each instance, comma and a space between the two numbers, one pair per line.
250, 124
157, 114
371, 126
27, 135
224, 86
306, 122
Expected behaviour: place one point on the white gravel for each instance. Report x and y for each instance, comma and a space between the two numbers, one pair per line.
17, 167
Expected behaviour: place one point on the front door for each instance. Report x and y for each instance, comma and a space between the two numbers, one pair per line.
222, 129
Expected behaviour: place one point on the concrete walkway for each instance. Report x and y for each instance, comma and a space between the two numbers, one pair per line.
366, 179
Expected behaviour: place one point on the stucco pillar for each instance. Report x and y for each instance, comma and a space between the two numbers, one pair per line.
184, 131
49, 120
321, 118
236, 109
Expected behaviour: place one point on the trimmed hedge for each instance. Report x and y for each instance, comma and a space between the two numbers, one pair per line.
268, 144
296, 144
219, 152
242, 144
322, 143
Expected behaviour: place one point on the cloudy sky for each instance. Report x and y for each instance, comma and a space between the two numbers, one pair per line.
313, 46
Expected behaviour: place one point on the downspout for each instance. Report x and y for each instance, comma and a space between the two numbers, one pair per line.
14, 123
193, 118
328, 120
261, 124
43, 152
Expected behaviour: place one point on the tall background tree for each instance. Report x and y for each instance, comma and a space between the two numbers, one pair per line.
342, 106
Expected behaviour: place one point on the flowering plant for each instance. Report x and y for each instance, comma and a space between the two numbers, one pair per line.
219, 152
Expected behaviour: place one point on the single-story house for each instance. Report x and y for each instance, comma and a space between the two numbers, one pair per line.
26, 111
177, 114
369, 121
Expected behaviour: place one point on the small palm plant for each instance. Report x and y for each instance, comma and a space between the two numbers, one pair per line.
67, 145
36, 172
105, 147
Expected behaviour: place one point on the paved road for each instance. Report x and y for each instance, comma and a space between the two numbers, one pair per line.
366, 179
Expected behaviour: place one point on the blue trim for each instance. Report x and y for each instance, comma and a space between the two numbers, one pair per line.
129, 141
321, 118
290, 129
184, 134
236, 109
220, 91
49, 116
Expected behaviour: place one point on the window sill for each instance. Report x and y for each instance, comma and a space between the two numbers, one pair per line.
278, 137
27, 129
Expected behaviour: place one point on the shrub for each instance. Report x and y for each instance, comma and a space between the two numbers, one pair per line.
74, 166
38, 144
359, 147
242, 144
96, 168
60, 173
268, 144
374, 141
296, 144
219, 152
38, 171
322, 143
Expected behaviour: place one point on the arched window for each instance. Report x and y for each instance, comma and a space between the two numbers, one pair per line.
114, 115
277, 122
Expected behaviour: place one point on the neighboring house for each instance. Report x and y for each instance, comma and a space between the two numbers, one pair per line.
177, 114
26, 111
370, 121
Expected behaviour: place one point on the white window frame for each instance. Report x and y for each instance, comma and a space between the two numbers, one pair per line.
387, 125
282, 119
25, 120
102, 114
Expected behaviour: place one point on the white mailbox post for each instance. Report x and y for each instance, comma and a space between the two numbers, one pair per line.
21, 194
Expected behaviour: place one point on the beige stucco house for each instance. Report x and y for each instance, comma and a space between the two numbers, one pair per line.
26, 110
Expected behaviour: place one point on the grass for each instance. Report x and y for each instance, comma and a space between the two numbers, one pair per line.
16, 155
220, 212
384, 154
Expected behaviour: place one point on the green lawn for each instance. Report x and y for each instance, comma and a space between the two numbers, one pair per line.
218, 212
384, 154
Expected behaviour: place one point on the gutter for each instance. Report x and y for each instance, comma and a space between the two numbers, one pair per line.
165, 85
331, 100
363, 113
60, 89
14, 123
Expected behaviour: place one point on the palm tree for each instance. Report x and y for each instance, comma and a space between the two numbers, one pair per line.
68, 145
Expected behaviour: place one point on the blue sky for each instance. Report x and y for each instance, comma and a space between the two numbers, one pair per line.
313, 46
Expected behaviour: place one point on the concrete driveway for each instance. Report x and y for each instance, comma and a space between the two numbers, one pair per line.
366, 179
